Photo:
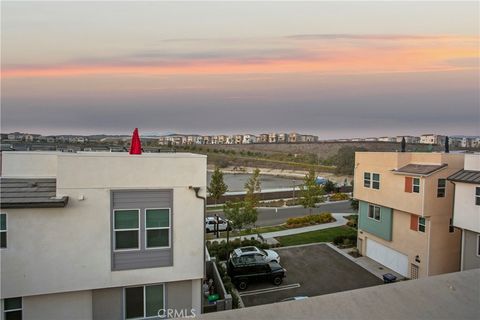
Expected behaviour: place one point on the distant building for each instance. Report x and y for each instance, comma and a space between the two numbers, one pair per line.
263, 138
308, 138
371, 139
387, 139
207, 139
238, 139
408, 139
282, 138
229, 139
249, 138
16, 136
294, 137
430, 138
272, 138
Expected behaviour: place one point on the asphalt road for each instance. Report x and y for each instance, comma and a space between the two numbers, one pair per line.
275, 216
316, 270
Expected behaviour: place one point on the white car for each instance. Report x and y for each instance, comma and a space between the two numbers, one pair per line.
210, 223
254, 255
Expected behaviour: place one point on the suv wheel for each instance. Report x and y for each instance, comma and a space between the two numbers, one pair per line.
242, 284
277, 280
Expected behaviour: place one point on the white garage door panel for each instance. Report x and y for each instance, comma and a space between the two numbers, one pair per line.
390, 258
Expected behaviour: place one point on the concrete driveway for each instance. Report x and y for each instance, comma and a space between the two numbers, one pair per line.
311, 271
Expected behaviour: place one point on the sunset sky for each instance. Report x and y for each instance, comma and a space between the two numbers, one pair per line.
346, 69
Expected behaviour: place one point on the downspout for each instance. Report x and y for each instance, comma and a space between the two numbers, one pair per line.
197, 189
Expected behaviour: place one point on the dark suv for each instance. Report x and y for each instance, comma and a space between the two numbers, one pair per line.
244, 273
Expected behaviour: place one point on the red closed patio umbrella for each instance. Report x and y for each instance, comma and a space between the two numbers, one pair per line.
136, 145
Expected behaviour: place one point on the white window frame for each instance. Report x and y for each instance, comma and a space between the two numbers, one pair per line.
373, 180
379, 213
144, 301
159, 228
414, 185
440, 188
419, 224
5, 231
131, 229
477, 197
478, 245
369, 179
12, 310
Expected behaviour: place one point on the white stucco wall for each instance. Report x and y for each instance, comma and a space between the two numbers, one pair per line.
29, 164
466, 214
68, 249
472, 161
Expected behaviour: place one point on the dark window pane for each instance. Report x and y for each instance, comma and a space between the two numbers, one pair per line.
377, 213
126, 239
477, 201
126, 219
421, 228
477, 191
376, 185
366, 175
154, 296
416, 189
157, 218
370, 211
376, 176
157, 238
441, 183
13, 315
478, 245
3, 221
440, 193
3, 239
134, 302
12, 303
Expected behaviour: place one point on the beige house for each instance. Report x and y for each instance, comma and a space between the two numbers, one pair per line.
101, 235
405, 211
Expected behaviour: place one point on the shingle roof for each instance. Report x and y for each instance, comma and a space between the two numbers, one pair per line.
30, 193
420, 169
468, 176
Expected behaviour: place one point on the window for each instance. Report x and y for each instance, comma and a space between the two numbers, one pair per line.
478, 245
3, 230
126, 229
442, 183
451, 229
416, 185
12, 308
157, 228
366, 179
144, 301
374, 212
421, 224
375, 181
477, 196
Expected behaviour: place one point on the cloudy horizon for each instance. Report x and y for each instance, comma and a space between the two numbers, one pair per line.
333, 70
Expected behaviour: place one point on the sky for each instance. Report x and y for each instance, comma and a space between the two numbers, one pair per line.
334, 69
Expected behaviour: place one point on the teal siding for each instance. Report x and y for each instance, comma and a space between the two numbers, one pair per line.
382, 228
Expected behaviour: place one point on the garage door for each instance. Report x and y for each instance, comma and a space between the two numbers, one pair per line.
390, 258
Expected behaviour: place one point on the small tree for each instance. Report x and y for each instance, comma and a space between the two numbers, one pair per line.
234, 211
329, 186
311, 192
354, 204
217, 186
251, 200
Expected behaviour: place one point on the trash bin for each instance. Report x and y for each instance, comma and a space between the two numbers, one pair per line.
389, 278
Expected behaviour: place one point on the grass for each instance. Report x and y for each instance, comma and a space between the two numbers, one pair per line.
325, 235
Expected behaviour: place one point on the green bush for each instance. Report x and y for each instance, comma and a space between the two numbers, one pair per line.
339, 197
313, 219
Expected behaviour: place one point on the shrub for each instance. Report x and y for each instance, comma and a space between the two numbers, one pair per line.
339, 197
312, 219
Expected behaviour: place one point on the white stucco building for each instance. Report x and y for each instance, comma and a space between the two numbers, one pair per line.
101, 235
466, 213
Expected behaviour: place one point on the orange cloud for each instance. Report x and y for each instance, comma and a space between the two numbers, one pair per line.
342, 57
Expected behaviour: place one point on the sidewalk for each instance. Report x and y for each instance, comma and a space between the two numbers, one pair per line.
338, 216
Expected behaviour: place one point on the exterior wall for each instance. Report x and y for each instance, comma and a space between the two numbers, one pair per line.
382, 228
444, 253
37, 164
69, 305
471, 259
417, 243
68, 258
466, 213
107, 304
472, 161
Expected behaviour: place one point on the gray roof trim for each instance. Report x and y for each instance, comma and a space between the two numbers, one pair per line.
419, 169
467, 176
30, 193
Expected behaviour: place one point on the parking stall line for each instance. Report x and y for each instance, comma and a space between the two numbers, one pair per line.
267, 290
